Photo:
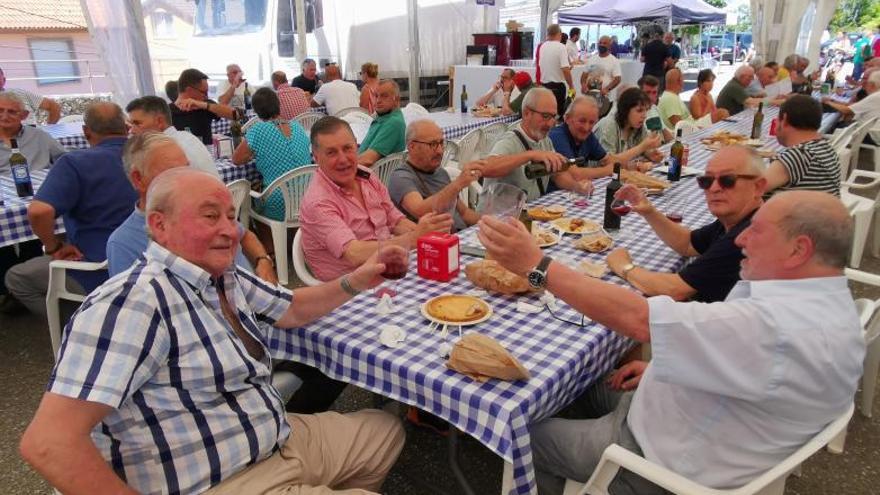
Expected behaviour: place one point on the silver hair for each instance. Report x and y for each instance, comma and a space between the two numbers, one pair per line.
161, 193
14, 98
757, 63
231, 66
534, 94
580, 100
413, 128
139, 147
790, 61
742, 69
393, 84
831, 231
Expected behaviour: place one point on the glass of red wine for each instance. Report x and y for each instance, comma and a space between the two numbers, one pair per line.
621, 208
396, 260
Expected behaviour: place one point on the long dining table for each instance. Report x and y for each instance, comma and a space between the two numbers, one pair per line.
563, 353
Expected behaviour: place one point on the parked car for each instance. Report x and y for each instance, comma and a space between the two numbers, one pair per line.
722, 47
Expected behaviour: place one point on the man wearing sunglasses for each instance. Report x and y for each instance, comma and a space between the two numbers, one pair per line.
193, 109
733, 186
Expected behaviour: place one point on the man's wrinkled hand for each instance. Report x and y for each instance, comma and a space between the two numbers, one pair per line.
628, 376
68, 252
510, 244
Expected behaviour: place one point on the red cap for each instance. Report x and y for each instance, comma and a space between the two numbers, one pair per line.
522, 79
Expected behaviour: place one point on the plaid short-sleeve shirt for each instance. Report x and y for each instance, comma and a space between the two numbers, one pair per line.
191, 406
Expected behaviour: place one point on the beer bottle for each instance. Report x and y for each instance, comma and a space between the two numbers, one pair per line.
676, 158
758, 121
21, 172
612, 220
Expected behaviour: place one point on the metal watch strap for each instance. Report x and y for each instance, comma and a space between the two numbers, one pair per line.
346, 286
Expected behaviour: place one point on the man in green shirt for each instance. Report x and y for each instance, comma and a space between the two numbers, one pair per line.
524, 83
672, 109
859, 56
387, 132
734, 97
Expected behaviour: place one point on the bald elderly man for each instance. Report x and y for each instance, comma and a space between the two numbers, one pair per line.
672, 109
734, 96
733, 186
336, 94
388, 129
183, 372
734, 387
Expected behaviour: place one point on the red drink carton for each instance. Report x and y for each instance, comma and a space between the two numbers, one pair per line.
438, 256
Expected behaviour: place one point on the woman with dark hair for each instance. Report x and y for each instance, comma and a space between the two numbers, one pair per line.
625, 128
702, 102
277, 145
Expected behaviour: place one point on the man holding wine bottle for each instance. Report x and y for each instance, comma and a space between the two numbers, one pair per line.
733, 186
347, 210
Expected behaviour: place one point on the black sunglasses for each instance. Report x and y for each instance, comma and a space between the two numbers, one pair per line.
726, 181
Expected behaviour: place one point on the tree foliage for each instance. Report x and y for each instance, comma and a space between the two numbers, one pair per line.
853, 15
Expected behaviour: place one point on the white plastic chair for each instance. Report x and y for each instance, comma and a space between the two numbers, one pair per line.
241, 190
247, 125
772, 482
488, 135
869, 314
861, 209
414, 111
308, 119
468, 147
71, 119
687, 128
385, 166
349, 110
299, 262
855, 144
58, 291
873, 148
355, 115
292, 186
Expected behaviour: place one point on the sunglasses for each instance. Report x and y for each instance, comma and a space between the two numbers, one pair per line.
726, 181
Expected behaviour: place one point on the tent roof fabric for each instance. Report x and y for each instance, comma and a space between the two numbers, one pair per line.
631, 11
41, 15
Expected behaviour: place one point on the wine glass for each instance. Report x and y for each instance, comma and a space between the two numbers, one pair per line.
396, 260
621, 208
441, 206
502, 200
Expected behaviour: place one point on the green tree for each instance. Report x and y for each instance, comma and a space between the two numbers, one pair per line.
853, 14
717, 3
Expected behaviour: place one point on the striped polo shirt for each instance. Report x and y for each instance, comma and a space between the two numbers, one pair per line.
812, 165
190, 406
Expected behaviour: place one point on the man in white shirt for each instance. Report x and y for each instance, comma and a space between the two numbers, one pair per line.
609, 66
336, 94
865, 109
231, 91
571, 46
734, 387
502, 92
553, 67
151, 113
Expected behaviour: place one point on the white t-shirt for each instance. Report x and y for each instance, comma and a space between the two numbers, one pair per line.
610, 67
237, 100
572, 49
735, 387
498, 98
337, 95
554, 57
194, 149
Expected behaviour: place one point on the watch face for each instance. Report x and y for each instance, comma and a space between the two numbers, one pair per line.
536, 279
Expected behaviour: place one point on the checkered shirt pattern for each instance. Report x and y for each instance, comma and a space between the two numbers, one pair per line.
190, 406
14, 224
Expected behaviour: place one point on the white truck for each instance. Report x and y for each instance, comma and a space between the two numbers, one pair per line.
260, 35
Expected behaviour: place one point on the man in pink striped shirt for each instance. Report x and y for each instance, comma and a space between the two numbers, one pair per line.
294, 101
347, 208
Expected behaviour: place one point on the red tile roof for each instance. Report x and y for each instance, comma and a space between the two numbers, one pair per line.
41, 15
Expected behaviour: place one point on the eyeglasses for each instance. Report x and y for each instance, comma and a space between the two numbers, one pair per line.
726, 181
544, 115
433, 144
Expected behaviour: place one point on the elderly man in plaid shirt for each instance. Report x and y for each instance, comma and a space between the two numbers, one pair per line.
162, 384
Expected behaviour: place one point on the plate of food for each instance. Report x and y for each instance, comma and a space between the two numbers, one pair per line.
544, 237
486, 111
720, 139
645, 182
546, 213
569, 225
595, 243
456, 309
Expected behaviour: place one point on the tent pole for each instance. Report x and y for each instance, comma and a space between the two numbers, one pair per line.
700, 47
301, 50
414, 62
670, 22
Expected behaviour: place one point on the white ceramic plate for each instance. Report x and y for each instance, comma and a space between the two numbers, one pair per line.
434, 319
561, 224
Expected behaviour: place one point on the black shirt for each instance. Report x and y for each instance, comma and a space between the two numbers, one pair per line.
716, 270
655, 54
198, 121
307, 85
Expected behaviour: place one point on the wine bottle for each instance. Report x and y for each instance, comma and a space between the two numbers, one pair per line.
533, 170
758, 121
464, 98
676, 158
235, 129
21, 171
247, 97
612, 220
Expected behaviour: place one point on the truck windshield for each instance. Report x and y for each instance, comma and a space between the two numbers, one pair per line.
218, 17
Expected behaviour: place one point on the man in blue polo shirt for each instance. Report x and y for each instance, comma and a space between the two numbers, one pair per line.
388, 130
88, 188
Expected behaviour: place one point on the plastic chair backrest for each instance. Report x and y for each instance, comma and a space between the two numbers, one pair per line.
247, 125
308, 119
240, 190
869, 310
293, 186
488, 135
467, 146
385, 166
303, 272
414, 110
858, 136
349, 110
71, 119
450, 152
57, 291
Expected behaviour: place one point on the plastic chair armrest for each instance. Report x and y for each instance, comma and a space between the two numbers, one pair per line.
616, 457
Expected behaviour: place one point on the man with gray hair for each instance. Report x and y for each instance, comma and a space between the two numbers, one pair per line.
734, 387
865, 109
183, 372
734, 96
231, 91
734, 186
88, 188
40, 149
388, 130
527, 142
307, 81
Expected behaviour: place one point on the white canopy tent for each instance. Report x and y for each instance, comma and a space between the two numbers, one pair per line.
783, 27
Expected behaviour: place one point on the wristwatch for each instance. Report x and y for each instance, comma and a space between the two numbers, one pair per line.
538, 276
626, 269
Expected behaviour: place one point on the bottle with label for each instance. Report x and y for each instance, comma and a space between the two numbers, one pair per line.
247, 97
21, 172
235, 130
464, 97
758, 121
612, 220
533, 170
676, 158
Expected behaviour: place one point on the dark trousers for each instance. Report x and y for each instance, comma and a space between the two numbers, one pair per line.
317, 393
9, 258
559, 91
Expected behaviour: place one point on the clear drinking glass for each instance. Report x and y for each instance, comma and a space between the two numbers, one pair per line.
502, 201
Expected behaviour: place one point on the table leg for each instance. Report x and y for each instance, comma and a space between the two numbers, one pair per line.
452, 443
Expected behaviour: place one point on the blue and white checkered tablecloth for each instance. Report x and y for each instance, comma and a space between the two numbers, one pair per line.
70, 135
14, 224
230, 172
